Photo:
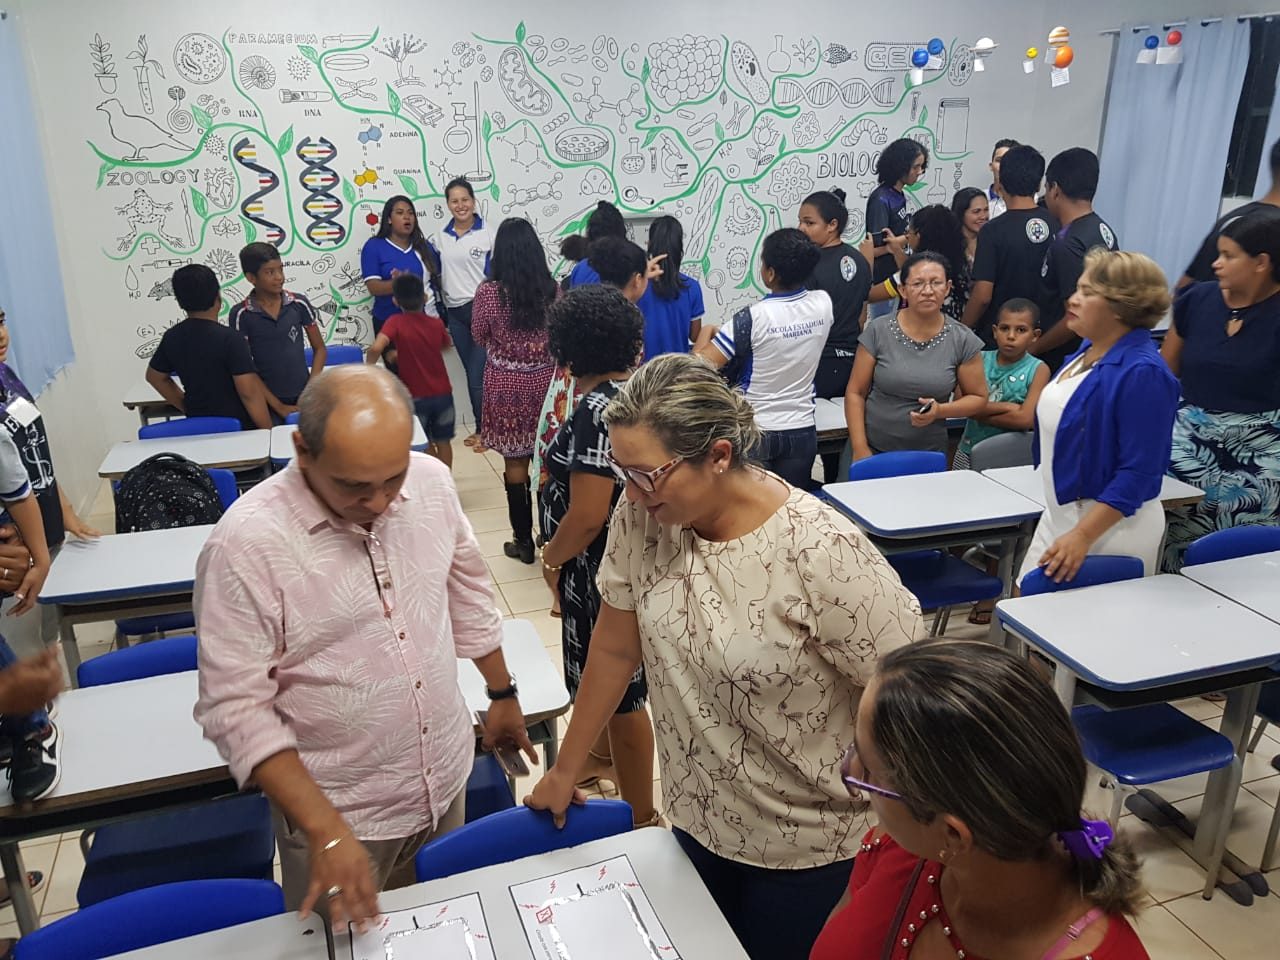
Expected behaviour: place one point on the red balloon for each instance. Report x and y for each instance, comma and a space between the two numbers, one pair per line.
1062, 59
1175, 37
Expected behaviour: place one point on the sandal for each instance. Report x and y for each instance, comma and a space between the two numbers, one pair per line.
472, 440
980, 617
605, 765
654, 821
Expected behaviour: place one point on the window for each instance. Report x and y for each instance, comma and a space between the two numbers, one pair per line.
1254, 109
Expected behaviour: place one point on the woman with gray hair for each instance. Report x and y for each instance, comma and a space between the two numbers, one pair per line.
975, 773
759, 613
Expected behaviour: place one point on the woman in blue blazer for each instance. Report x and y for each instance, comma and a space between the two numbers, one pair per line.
1104, 424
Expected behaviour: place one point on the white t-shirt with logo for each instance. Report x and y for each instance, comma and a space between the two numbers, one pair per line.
788, 332
464, 260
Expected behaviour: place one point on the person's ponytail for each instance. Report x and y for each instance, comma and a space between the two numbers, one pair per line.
1112, 883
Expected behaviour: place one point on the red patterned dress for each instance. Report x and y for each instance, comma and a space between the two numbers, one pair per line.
516, 374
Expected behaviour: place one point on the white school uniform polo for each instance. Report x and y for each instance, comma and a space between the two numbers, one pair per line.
464, 260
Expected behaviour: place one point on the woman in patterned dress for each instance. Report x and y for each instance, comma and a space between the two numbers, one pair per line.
758, 613
1224, 345
595, 333
508, 320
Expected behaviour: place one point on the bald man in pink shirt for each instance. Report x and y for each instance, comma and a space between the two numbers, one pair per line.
332, 601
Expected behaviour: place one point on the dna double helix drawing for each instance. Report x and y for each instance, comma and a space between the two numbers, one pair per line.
317, 178
252, 207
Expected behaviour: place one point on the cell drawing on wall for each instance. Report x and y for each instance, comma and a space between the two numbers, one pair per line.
137, 132
399, 51
522, 88
104, 65
257, 73
580, 144
960, 67
748, 72
684, 69
790, 182
199, 58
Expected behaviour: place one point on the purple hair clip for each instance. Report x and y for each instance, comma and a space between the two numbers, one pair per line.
1089, 841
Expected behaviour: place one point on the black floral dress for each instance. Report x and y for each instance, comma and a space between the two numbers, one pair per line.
582, 446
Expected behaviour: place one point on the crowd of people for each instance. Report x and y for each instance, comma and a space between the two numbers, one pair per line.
658, 465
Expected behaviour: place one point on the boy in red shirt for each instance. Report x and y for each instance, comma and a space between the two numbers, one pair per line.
418, 340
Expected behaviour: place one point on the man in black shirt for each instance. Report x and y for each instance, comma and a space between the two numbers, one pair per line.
1201, 268
1011, 248
1070, 183
212, 360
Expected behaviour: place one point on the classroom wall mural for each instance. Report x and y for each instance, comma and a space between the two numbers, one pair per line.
206, 141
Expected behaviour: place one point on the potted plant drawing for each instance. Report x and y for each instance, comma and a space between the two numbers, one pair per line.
104, 67
143, 70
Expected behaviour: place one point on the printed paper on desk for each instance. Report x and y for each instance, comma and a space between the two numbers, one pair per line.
568, 916
448, 930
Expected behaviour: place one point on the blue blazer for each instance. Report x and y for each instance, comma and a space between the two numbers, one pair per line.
1116, 434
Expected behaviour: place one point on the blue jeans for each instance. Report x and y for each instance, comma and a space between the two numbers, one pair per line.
436, 416
774, 913
472, 355
16, 727
789, 454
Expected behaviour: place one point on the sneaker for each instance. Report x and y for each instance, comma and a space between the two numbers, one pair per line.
36, 767
35, 880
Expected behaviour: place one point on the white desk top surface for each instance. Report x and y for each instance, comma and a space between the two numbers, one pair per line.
829, 415
1029, 482
1145, 633
142, 393
931, 503
283, 937
240, 450
126, 565
685, 908
282, 441
1252, 582
122, 735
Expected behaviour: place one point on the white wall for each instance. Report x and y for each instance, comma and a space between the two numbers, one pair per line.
115, 292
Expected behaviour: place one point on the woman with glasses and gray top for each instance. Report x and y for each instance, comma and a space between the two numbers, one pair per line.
981, 849
908, 367
759, 613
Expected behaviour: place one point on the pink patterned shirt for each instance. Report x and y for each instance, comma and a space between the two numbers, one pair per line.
341, 643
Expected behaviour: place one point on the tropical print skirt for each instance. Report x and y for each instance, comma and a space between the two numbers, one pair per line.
1235, 459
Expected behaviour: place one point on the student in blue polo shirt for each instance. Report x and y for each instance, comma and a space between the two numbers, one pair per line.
902, 163
605, 221
275, 321
461, 249
399, 247
672, 303
771, 350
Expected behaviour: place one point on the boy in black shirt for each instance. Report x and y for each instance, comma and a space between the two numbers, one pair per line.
1070, 183
1011, 248
212, 360
1201, 268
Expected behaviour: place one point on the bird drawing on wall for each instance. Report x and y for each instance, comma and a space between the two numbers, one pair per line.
140, 133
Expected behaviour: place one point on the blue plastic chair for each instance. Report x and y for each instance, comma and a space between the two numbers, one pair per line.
227, 838
1138, 745
488, 790
519, 832
292, 418
938, 579
338, 354
898, 463
1231, 543
225, 483
189, 427
145, 918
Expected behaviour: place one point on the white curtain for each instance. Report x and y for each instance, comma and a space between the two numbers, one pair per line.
1164, 149
30, 278
1262, 185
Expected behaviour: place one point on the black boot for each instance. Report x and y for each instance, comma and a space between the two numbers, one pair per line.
520, 512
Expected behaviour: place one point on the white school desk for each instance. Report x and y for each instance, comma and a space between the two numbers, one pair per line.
282, 441
936, 510
146, 400
690, 917
114, 763
282, 937
833, 429
122, 575
240, 450
1152, 635
1029, 482
1253, 582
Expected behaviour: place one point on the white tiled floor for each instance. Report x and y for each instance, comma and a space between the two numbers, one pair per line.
1176, 923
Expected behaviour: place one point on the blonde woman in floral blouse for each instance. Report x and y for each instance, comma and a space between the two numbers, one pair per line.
759, 613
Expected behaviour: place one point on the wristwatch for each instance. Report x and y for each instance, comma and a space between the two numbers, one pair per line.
506, 693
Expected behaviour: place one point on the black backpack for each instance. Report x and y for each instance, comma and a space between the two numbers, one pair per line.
738, 370
163, 492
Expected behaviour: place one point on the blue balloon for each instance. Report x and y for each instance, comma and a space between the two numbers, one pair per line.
936, 47
1151, 42
919, 57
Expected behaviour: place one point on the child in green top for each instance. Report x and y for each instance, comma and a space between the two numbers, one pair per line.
1014, 378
